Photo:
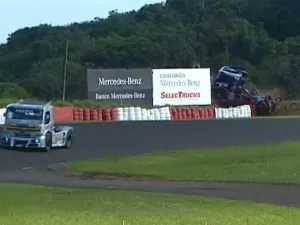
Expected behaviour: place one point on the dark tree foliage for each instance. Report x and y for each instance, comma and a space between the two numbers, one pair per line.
261, 34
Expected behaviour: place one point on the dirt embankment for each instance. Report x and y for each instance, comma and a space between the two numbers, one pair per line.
287, 107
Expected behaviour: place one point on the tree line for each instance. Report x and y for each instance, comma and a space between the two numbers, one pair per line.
262, 35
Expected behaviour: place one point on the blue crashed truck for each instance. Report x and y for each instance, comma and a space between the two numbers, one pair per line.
228, 89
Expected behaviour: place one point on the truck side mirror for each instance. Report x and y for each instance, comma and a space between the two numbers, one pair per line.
4, 114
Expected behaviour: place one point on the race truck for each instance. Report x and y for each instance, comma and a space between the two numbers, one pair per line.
228, 89
30, 124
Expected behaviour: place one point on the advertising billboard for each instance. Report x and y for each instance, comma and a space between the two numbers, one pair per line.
120, 86
181, 86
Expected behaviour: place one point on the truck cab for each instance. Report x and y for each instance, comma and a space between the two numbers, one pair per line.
30, 124
229, 83
229, 77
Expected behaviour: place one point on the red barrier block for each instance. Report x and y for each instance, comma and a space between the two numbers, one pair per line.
94, 114
210, 113
179, 113
63, 114
174, 113
188, 113
113, 115
214, 112
195, 114
201, 113
80, 114
86, 114
205, 113
75, 114
106, 114
184, 113
253, 110
99, 111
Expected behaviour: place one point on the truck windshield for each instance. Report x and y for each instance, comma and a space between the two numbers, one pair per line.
24, 113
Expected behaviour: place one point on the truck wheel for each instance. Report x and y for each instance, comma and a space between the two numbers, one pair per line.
69, 140
48, 142
262, 108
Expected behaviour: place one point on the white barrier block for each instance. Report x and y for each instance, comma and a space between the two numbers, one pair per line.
131, 113
225, 113
144, 115
241, 112
150, 114
247, 109
218, 113
156, 114
168, 113
120, 114
236, 112
230, 112
2, 118
125, 113
138, 113
162, 114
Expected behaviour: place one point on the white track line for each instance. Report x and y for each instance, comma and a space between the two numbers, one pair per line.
27, 168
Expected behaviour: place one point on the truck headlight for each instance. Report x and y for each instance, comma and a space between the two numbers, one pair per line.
42, 137
5, 139
37, 139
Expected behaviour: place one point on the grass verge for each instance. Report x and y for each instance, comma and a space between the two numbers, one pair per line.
273, 163
27, 205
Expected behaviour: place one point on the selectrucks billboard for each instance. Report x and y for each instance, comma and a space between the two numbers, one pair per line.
128, 86
181, 86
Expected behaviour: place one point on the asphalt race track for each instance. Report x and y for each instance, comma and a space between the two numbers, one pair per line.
105, 139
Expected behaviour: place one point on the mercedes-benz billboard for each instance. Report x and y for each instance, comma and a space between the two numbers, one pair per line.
120, 86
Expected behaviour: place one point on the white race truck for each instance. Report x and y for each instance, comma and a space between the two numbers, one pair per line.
30, 124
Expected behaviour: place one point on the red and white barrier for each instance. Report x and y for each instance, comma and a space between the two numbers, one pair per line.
68, 114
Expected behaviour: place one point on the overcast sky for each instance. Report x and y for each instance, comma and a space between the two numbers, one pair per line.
16, 14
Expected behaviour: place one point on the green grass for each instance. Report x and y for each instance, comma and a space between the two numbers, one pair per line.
28, 205
275, 163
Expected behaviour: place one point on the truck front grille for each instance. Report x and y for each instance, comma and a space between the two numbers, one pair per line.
23, 135
19, 142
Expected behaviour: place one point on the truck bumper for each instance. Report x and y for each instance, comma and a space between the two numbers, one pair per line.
23, 143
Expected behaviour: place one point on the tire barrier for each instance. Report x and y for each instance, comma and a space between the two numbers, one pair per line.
234, 112
192, 113
138, 114
87, 114
70, 114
